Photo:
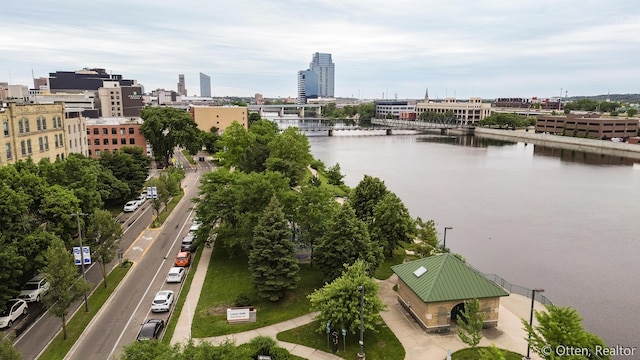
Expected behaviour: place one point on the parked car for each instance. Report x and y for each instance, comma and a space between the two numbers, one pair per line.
130, 206
183, 259
187, 244
194, 228
151, 329
141, 199
175, 274
162, 301
14, 309
34, 289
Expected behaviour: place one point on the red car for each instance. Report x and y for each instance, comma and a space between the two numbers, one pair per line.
183, 259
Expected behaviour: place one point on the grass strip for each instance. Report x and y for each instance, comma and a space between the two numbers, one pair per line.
160, 219
473, 354
75, 326
382, 345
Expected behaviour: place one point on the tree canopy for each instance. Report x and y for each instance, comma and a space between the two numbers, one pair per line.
167, 127
366, 195
392, 224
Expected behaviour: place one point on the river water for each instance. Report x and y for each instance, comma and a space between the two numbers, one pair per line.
564, 221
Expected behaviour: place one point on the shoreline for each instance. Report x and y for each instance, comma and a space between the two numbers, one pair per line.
603, 147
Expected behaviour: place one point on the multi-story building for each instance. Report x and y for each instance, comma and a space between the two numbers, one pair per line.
85, 100
259, 99
41, 83
76, 132
182, 89
532, 103
110, 134
13, 91
219, 116
325, 68
120, 101
466, 112
33, 131
205, 85
394, 108
85, 79
162, 97
308, 87
588, 125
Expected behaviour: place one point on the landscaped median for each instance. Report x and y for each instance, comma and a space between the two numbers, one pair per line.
59, 347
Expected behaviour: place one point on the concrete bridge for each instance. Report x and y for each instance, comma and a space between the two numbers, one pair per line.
281, 109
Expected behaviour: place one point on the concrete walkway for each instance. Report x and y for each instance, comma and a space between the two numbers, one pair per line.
418, 345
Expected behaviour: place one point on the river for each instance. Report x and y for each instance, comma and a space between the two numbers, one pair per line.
560, 220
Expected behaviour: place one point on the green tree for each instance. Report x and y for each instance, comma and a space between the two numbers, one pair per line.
492, 353
559, 327
58, 206
334, 176
210, 140
129, 165
167, 127
366, 111
12, 265
317, 206
289, 154
339, 301
470, 323
235, 142
272, 260
392, 224
631, 112
345, 241
427, 238
103, 237
366, 195
253, 117
65, 285
8, 351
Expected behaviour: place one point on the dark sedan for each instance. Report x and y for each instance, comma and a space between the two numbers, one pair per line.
151, 329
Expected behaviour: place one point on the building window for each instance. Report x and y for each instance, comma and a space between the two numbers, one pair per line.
74, 128
114, 141
89, 152
8, 149
41, 143
69, 129
114, 131
46, 143
105, 131
70, 144
39, 123
5, 128
123, 141
132, 141
96, 131
96, 141
57, 122
29, 147
105, 141
131, 131
23, 148
97, 152
121, 131
56, 137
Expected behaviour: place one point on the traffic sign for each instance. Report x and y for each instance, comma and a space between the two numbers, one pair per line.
86, 255
77, 258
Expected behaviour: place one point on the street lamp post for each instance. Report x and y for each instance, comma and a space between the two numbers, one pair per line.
361, 355
77, 214
444, 241
533, 299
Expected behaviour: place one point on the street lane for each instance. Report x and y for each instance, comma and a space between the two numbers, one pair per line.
153, 253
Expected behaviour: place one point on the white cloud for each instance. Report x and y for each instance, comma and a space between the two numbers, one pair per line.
486, 47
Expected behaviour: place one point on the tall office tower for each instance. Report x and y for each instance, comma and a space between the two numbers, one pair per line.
325, 68
205, 85
182, 90
307, 85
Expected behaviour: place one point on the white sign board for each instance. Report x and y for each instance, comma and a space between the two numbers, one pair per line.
77, 258
238, 315
86, 255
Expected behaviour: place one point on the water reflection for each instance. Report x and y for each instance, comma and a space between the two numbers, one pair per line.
566, 155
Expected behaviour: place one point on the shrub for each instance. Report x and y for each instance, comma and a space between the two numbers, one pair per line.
242, 300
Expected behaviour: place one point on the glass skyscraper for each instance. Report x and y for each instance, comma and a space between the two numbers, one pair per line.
205, 85
325, 68
307, 85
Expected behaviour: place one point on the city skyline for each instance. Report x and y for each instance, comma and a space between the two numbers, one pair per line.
487, 48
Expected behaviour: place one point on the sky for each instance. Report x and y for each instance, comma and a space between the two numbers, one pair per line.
381, 49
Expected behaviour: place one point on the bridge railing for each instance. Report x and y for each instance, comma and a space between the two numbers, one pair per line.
517, 289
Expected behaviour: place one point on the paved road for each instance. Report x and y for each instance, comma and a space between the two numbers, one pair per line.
153, 253
39, 333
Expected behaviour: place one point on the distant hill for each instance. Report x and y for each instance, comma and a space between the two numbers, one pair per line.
633, 98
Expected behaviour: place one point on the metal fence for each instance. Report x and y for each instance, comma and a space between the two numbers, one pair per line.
517, 289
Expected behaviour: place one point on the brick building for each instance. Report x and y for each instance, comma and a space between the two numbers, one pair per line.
588, 125
110, 134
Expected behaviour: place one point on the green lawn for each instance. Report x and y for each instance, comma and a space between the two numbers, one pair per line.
339, 191
384, 270
188, 156
76, 325
473, 354
382, 345
229, 277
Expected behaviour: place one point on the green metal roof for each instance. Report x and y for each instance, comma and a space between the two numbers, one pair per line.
447, 278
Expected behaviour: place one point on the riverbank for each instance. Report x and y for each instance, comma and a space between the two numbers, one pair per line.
604, 147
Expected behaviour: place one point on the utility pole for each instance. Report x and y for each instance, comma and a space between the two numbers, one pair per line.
77, 214
361, 355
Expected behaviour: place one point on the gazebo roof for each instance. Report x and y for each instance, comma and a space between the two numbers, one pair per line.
444, 277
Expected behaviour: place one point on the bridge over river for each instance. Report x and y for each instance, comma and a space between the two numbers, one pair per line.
385, 126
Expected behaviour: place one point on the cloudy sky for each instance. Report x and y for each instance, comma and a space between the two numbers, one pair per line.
461, 48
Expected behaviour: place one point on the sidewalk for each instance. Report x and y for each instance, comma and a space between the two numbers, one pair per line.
417, 343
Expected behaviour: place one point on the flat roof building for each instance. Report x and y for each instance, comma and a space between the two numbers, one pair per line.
219, 116
588, 126
110, 134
